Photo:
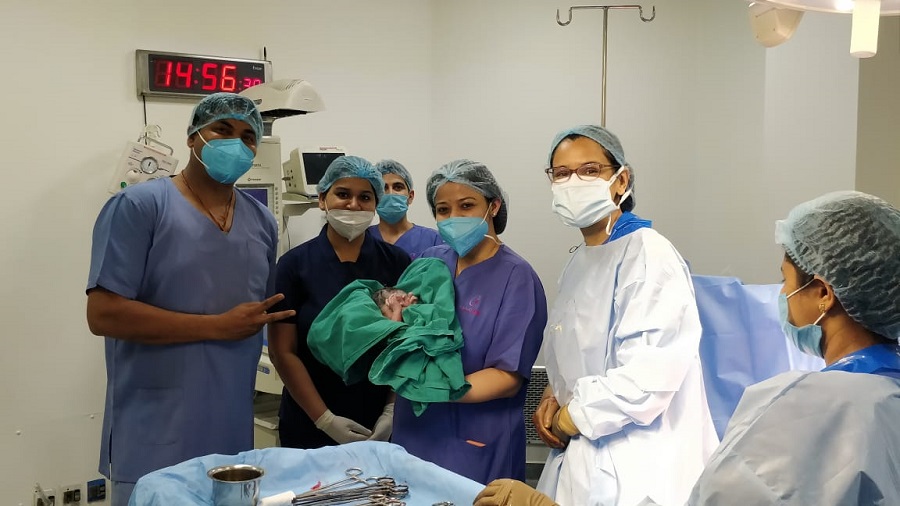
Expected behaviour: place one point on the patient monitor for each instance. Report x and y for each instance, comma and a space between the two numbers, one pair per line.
305, 168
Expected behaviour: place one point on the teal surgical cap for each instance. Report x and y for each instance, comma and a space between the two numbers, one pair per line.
395, 167
609, 142
852, 241
219, 106
472, 174
351, 166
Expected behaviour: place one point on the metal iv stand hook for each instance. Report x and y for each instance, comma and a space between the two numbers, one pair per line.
606, 9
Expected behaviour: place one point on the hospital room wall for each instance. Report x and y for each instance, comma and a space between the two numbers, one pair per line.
878, 149
69, 106
724, 135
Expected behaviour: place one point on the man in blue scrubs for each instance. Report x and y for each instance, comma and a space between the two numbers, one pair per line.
394, 226
180, 271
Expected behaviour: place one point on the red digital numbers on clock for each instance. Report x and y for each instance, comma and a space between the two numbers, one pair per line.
199, 75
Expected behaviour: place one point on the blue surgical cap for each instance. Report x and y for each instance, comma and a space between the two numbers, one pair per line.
351, 166
609, 142
852, 241
395, 167
219, 106
472, 174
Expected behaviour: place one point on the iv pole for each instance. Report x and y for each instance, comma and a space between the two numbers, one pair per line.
606, 9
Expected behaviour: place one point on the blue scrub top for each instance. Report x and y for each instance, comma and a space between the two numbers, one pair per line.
882, 359
502, 310
626, 224
309, 276
169, 403
414, 241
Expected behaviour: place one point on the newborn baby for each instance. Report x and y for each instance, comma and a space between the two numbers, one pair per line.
391, 301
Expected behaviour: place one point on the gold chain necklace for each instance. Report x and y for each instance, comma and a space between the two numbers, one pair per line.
228, 208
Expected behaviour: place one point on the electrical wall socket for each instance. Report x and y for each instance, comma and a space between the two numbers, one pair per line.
71, 495
51, 496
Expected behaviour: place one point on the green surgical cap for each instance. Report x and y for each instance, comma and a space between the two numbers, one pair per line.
475, 175
609, 142
851, 240
395, 167
219, 106
352, 166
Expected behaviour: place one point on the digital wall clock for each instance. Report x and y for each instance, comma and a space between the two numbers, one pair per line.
166, 74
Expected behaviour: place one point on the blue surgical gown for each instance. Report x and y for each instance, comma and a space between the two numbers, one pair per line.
502, 310
169, 403
309, 276
883, 359
414, 241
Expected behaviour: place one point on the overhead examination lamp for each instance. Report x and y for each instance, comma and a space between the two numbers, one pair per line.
775, 21
283, 98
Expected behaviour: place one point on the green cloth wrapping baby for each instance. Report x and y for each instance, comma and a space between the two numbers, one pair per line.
418, 357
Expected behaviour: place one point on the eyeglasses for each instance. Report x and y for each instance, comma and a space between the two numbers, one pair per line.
587, 172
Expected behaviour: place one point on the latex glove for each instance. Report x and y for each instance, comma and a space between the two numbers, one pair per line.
543, 420
507, 492
384, 425
563, 427
342, 430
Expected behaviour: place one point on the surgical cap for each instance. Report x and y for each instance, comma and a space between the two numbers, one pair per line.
219, 106
852, 241
610, 143
395, 167
474, 175
351, 166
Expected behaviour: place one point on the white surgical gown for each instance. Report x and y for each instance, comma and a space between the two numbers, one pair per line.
820, 438
622, 351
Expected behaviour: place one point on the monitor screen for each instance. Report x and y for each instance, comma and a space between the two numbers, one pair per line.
260, 194
264, 193
315, 164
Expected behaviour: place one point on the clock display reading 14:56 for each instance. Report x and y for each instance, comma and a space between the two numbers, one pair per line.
181, 74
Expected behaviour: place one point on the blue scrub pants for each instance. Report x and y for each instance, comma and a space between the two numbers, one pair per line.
121, 492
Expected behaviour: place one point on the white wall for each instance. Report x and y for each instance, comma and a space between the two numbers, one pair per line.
878, 149
724, 137
712, 123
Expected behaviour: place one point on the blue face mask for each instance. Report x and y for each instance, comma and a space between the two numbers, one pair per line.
392, 207
808, 337
226, 160
463, 234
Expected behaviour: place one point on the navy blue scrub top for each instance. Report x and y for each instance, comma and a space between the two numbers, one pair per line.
309, 276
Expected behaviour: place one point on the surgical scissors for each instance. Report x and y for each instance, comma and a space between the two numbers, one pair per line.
353, 490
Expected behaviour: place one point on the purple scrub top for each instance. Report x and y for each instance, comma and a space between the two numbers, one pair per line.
414, 241
502, 310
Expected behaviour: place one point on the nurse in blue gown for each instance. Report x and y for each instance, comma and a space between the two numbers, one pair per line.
502, 310
827, 437
394, 226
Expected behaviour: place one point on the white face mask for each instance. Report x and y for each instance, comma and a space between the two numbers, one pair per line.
580, 203
349, 224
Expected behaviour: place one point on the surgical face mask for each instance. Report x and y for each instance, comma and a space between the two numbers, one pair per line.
392, 207
349, 224
463, 234
226, 160
580, 203
808, 337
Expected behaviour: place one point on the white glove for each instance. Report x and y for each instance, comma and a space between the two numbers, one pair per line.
384, 425
342, 430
